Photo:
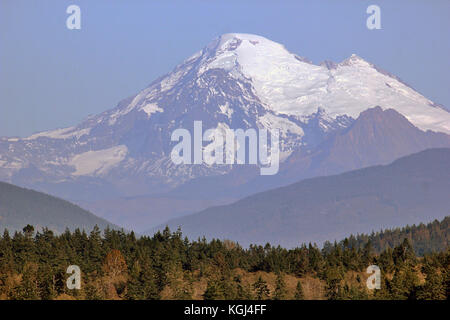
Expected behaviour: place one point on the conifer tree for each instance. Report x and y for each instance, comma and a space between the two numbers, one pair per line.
280, 289
242, 291
434, 288
333, 280
299, 295
261, 289
28, 287
214, 291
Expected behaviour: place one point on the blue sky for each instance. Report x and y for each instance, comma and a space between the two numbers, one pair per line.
53, 77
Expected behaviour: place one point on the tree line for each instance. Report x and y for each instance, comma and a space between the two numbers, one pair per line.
120, 265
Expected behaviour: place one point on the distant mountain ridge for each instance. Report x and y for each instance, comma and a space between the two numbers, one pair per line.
20, 207
410, 190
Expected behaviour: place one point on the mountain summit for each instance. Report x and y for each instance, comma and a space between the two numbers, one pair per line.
291, 85
236, 81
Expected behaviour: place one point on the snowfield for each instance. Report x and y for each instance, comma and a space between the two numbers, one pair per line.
98, 162
289, 85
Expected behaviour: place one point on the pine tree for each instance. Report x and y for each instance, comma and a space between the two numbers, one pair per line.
280, 289
28, 288
142, 284
214, 291
403, 283
299, 295
242, 291
261, 289
333, 283
46, 282
434, 288
95, 250
28, 231
404, 253
92, 289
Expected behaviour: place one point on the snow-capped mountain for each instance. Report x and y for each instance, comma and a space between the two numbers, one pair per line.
237, 81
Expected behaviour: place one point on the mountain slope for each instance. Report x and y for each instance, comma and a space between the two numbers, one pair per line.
410, 190
376, 137
19, 207
236, 81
